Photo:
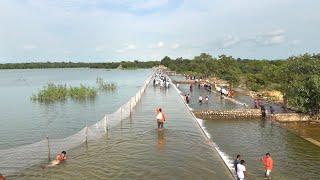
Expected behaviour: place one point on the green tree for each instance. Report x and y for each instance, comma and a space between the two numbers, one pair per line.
299, 82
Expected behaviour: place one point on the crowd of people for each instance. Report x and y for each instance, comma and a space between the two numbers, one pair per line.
241, 169
162, 81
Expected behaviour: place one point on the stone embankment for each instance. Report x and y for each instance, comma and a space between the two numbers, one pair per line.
183, 81
292, 117
236, 113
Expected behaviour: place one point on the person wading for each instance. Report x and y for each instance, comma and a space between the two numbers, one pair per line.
268, 165
160, 118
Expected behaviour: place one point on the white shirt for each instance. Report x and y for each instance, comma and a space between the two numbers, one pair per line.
200, 98
159, 116
240, 170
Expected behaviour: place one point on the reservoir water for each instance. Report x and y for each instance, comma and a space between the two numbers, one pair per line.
293, 156
136, 149
23, 121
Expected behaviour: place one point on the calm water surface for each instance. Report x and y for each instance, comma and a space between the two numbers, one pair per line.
137, 150
23, 121
293, 156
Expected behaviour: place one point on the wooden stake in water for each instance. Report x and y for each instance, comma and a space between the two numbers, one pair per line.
86, 134
105, 123
130, 107
48, 148
120, 113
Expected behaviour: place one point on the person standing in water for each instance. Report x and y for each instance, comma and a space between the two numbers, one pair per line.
2, 177
160, 119
236, 162
268, 165
241, 170
271, 112
200, 99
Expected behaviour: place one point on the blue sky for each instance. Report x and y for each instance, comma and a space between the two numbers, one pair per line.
115, 30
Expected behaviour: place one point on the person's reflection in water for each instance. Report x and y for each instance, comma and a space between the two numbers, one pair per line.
263, 123
161, 141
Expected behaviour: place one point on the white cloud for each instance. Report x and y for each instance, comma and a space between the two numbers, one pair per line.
130, 46
175, 46
100, 48
229, 41
158, 45
276, 37
29, 47
67, 52
276, 32
295, 42
146, 4
126, 47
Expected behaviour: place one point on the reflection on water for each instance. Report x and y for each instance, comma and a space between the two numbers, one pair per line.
161, 140
253, 138
293, 156
136, 149
304, 129
23, 121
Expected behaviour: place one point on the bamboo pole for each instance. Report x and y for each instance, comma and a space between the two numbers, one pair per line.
48, 147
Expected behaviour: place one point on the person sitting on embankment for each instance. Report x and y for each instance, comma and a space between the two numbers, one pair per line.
59, 159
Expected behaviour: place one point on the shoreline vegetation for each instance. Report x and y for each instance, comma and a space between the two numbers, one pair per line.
293, 82
60, 92
126, 65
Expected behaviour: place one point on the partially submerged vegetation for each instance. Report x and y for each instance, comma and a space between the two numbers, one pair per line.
106, 86
82, 92
60, 92
52, 92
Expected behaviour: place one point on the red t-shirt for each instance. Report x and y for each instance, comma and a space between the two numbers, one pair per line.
268, 163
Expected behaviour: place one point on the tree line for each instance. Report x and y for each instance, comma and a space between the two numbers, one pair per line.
297, 77
106, 65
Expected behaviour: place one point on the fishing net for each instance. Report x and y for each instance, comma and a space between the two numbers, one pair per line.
15, 159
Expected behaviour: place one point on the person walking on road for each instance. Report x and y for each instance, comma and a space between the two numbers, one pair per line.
268, 165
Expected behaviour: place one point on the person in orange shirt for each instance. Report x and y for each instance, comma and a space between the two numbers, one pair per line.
59, 159
2, 177
160, 118
268, 165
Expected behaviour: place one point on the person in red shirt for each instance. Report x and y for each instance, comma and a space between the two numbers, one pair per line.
268, 165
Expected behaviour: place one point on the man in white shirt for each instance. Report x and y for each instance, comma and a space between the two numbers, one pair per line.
241, 171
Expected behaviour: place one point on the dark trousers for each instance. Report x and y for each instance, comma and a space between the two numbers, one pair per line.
160, 124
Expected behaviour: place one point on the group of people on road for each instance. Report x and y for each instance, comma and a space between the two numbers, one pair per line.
241, 169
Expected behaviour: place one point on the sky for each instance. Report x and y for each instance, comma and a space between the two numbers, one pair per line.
127, 30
